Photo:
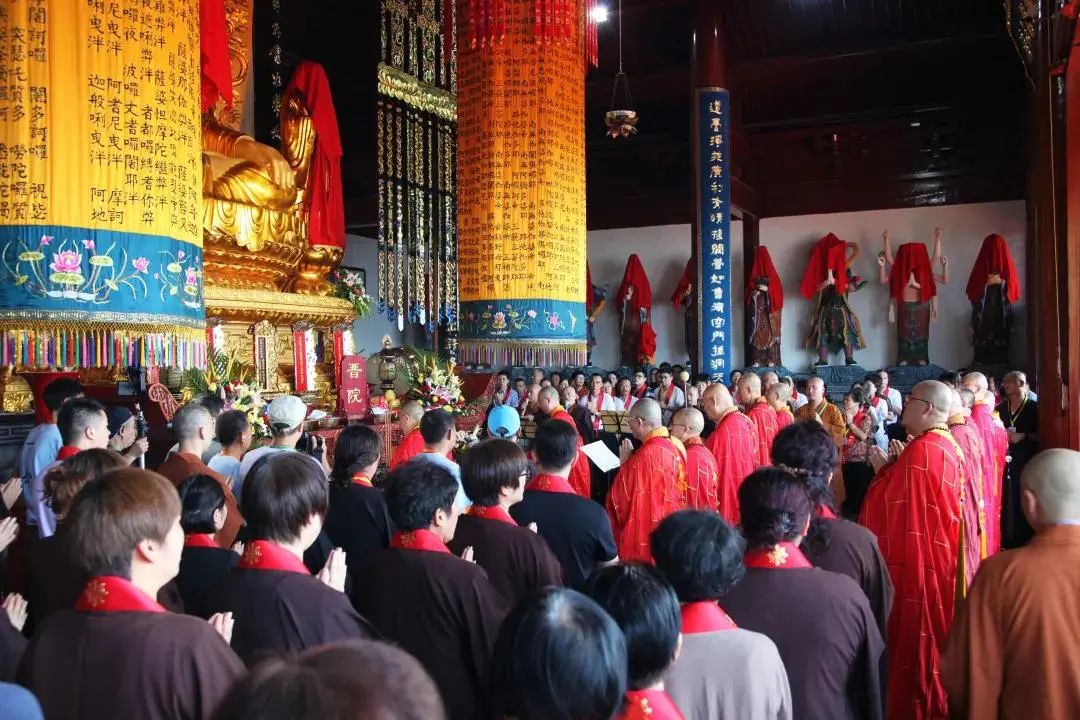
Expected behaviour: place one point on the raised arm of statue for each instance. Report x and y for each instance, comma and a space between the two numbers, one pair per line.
889, 257
883, 271
933, 309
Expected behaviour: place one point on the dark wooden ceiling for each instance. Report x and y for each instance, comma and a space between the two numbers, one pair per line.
841, 104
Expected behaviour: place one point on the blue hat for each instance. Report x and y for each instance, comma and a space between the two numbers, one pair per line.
503, 421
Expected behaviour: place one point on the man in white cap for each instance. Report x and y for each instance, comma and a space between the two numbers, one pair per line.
285, 416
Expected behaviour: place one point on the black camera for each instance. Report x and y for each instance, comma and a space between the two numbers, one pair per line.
142, 426
312, 445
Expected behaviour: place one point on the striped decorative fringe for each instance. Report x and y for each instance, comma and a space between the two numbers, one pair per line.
498, 355
96, 348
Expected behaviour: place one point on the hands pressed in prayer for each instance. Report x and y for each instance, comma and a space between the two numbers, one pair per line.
895, 448
333, 573
9, 530
238, 548
1015, 437
878, 458
10, 492
626, 449
467, 555
223, 625
15, 607
533, 526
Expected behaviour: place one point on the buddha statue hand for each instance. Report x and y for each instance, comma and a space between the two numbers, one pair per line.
267, 158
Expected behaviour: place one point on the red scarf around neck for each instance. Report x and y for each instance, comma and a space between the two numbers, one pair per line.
704, 617
200, 540
361, 479
115, 594
784, 556
419, 540
550, 483
265, 555
492, 512
67, 451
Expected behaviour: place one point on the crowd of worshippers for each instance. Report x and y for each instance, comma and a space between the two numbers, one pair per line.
761, 553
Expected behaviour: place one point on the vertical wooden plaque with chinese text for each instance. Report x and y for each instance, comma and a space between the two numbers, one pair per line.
353, 389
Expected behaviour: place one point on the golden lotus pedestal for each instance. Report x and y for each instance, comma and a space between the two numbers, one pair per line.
258, 326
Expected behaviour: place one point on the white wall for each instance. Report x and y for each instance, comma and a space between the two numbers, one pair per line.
664, 251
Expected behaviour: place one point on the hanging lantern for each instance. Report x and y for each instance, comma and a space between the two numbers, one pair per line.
621, 120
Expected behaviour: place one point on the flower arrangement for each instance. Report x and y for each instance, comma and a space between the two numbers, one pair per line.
433, 383
228, 378
349, 284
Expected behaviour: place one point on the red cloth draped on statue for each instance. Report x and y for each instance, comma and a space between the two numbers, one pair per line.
580, 476
650, 486
766, 424
216, 68
995, 447
323, 197
830, 253
912, 258
971, 462
734, 444
635, 279
681, 297
702, 476
763, 268
994, 257
914, 507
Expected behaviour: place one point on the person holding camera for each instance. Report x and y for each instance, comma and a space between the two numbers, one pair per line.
285, 415
124, 435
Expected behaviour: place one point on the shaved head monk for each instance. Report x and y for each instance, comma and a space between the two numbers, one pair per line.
819, 409
1010, 653
733, 443
760, 412
580, 475
971, 460
996, 446
651, 483
412, 442
702, 478
914, 507
779, 397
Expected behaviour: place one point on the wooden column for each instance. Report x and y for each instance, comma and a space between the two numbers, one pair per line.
1053, 243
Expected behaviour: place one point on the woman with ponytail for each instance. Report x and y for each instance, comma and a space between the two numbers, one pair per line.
820, 620
808, 452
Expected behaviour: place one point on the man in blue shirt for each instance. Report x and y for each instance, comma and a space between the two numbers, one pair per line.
440, 436
43, 443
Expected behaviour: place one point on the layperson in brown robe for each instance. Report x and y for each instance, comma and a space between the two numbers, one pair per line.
119, 654
1011, 653
438, 607
357, 520
559, 655
577, 530
820, 620
516, 559
203, 565
723, 672
53, 577
357, 679
644, 606
193, 426
279, 606
807, 451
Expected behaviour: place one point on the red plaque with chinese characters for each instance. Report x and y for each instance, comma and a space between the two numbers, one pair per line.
353, 388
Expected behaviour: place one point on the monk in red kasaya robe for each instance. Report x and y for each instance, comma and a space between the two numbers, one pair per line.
580, 476
760, 413
702, 476
412, 442
971, 462
778, 396
733, 443
995, 447
651, 483
914, 506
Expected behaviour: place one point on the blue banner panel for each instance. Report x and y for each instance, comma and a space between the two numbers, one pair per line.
712, 159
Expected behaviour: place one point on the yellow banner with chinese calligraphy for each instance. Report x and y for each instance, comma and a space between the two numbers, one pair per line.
521, 191
100, 184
